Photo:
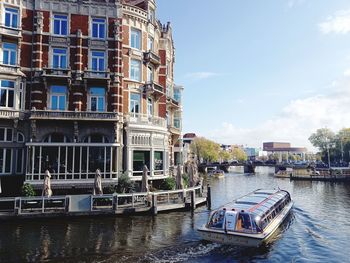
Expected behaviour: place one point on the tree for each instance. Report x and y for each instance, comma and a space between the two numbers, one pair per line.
205, 149
238, 154
322, 138
225, 155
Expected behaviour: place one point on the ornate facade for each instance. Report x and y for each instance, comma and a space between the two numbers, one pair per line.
86, 85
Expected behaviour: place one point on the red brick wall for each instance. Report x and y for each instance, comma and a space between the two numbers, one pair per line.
79, 22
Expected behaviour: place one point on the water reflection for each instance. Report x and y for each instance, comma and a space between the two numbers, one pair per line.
316, 231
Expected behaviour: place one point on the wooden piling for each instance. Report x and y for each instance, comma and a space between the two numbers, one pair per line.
208, 197
193, 200
154, 205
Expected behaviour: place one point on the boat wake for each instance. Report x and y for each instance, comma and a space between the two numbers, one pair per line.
180, 254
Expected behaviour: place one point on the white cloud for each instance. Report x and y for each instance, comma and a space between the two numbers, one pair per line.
339, 23
201, 75
296, 122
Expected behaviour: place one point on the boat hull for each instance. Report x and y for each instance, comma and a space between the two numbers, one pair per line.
244, 239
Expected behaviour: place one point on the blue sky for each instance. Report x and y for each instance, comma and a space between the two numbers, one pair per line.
259, 71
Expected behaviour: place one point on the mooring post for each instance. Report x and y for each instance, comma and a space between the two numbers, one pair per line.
154, 204
208, 196
193, 200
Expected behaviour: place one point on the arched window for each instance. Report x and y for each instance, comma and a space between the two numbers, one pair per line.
20, 137
56, 137
96, 138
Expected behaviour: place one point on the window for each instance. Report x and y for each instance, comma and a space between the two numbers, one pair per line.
98, 28
135, 38
59, 58
150, 43
135, 103
158, 160
60, 25
140, 158
98, 60
150, 75
151, 15
11, 17
20, 137
97, 99
5, 161
6, 135
7, 93
149, 107
19, 161
58, 97
135, 70
9, 54
96, 138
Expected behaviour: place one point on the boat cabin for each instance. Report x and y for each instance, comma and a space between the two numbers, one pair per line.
251, 213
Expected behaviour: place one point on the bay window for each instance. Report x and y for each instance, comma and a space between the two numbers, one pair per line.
135, 38
7, 93
135, 70
135, 103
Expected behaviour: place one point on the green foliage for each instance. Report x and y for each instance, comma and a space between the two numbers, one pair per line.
168, 184
125, 185
205, 149
238, 154
110, 189
225, 155
322, 138
28, 190
186, 180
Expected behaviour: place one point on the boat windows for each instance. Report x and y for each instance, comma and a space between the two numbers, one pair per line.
244, 222
217, 219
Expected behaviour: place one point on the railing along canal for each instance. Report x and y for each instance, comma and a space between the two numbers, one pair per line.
112, 203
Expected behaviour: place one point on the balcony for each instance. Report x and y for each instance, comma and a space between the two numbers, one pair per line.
134, 11
11, 114
56, 72
11, 69
73, 115
175, 126
152, 57
11, 32
146, 120
154, 88
96, 74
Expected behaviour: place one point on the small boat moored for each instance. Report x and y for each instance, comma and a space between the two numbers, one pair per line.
250, 220
214, 172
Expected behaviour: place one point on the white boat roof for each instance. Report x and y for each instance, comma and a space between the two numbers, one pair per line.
257, 202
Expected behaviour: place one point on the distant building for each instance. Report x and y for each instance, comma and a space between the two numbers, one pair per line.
251, 152
283, 148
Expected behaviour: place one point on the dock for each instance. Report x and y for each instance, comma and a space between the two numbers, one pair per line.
331, 175
102, 205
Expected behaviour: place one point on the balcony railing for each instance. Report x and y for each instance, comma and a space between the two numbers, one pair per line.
56, 72
10, 31
11, 114
152, 57
74, 115
144, 119
10, 69
153, 88
134, 11
96, 74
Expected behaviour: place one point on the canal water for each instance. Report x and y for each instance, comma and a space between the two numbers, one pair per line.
318, 230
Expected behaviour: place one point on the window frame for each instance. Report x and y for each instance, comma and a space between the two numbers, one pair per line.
7, 91
133, 104
11, 51
99, 24
4, 160
59, 95
150, 107
133, 68
134, 42
60, 56
150, 73
98, 58
14, 12
54, 18
97, 96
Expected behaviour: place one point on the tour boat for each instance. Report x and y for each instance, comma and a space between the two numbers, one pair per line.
284, 172
217, 173
249, 220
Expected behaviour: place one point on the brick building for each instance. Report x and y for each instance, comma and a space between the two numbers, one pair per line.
86, 84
